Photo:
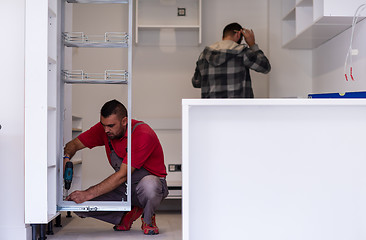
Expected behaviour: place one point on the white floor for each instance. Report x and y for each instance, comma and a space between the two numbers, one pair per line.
75, 228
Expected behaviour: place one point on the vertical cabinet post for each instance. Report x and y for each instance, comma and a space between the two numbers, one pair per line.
41, 111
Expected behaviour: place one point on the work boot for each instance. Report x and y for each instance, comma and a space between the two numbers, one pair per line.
128, 219
149, 229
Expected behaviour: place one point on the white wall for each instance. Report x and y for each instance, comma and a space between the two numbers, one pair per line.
161, 75
329, 58
291, 74
250, 14
12, 121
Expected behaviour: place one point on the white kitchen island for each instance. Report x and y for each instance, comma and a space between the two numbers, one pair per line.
274, 169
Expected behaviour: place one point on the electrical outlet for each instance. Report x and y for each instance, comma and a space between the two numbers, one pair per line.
175, 167
181, 12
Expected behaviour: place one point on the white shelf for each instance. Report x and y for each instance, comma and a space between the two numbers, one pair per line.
290, 15
306, 24
287, 7
174, 194
153, 15
76, 123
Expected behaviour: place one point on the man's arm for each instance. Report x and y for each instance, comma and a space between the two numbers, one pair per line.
107, 185
71, 148
196, 79
254, 58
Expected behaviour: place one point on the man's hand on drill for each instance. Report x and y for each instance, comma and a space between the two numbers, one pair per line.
78, 196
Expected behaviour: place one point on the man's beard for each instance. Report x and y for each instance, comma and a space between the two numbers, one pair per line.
116, 136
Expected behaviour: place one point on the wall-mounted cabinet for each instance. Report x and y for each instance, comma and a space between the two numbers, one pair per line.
306, 24
168, 22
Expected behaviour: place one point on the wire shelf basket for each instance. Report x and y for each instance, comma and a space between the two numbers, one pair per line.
97, 1
108, 77
108, 40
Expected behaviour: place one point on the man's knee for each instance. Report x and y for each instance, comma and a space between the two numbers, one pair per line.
149, 187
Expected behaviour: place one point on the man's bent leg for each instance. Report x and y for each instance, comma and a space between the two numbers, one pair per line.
110, 217
106, 216
151, 190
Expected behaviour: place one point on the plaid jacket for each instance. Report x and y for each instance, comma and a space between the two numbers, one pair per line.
224, 72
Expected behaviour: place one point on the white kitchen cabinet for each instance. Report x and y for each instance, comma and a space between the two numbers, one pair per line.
306, 24
158, 23
46, 81
121, 76
274, 169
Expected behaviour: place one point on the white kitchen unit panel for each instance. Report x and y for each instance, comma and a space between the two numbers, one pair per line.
276, 169
42, 111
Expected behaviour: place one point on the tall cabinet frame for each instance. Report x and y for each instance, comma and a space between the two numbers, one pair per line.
44, 105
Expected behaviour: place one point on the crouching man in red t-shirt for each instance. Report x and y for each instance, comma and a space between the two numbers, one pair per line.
148, 185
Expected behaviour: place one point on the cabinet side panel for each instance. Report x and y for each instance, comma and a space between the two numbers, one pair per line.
36, 111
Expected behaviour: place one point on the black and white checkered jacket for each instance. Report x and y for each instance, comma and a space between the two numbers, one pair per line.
222, 70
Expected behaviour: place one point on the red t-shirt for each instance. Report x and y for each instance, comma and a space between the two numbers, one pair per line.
146, 148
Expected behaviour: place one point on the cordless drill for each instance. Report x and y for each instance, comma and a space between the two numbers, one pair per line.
68, 175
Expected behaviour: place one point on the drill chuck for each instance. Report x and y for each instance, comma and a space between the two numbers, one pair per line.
68, 175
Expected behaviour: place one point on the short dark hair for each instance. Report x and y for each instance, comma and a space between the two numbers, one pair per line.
113, 107
230, 29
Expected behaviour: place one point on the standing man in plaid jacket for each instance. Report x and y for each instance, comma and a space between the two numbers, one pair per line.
222, 69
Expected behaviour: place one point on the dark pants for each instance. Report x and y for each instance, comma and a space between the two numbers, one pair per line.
147, 192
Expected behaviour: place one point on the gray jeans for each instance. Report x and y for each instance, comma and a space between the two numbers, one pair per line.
147, 192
